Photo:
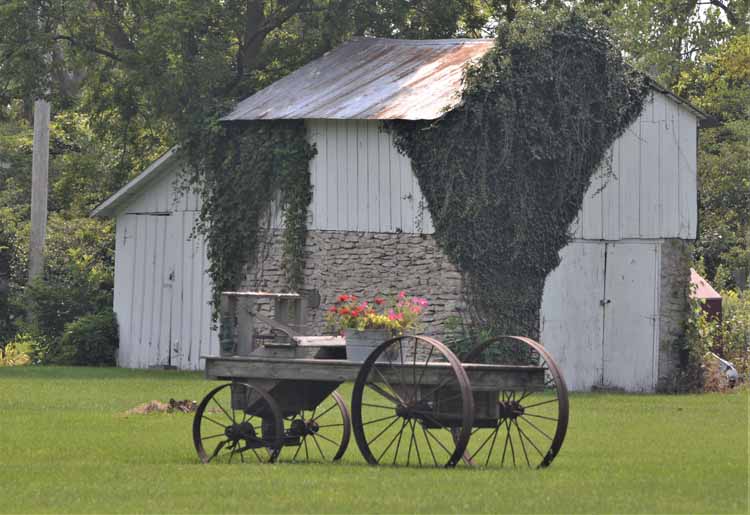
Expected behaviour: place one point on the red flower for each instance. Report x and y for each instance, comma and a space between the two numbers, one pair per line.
343, 311
344, 298
379, 301
332, 309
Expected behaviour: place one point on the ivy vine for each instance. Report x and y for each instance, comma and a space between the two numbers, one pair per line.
505, 172
239, 171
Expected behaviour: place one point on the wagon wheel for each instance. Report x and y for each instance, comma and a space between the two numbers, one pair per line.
238, 421
530, 426
411, 395
321, 434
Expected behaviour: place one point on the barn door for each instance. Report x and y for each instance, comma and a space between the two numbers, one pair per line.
572, 316
630, 316
171, 290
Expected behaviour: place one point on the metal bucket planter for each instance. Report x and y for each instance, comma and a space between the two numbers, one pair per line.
359, 344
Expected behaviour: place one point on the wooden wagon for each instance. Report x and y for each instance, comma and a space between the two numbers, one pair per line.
413, 401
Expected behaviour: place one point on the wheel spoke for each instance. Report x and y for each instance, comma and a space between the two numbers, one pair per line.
391, 442
375, 406
540, 416
230, 417
218, 449
535, 427
307, 454
325, 438
522, 432
424, 367
383, 431
395, 400
212, 436
299, 448
492, 445
416, 445
372, 385
212, 420
512, 450
429, 445
326, 411
439, 442
398, 445
523, 446
505, 446
376, 420
540, 403
486, 440
318, 446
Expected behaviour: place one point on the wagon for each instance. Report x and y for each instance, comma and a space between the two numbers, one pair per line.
414, 402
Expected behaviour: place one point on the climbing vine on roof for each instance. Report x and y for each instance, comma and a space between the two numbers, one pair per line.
239, 171
504, 173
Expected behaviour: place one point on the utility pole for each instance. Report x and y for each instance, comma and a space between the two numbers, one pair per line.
39, 180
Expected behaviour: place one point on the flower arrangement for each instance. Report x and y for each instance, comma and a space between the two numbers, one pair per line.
398, 313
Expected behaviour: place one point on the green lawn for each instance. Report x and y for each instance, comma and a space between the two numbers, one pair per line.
66, 446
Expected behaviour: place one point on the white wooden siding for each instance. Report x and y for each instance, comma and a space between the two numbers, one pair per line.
161, 287
645, 189
361, 182
651, 190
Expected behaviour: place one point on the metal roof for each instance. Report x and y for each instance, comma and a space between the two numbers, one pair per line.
370, 79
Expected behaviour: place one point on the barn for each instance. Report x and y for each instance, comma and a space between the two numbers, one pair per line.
612, 311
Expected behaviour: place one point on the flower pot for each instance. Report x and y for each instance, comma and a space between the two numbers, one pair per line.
359, 344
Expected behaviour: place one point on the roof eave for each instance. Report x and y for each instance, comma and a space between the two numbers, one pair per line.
109, 207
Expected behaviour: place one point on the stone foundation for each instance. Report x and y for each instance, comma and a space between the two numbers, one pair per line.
367, 264
674, 308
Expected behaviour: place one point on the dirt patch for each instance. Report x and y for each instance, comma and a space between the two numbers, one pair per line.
173, 406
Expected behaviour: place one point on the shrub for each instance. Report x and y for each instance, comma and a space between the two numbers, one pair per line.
90, 340
21, 350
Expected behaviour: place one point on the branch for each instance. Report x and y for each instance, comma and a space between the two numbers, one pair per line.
90, 48
731, 16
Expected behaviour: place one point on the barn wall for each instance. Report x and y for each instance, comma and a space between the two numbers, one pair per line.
161, 290
646, 188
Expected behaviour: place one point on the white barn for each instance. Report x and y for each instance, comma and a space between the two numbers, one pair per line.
611, 311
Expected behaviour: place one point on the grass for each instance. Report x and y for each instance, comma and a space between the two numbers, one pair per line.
66, 446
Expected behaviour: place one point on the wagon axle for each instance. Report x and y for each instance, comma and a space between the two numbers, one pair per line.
510, 409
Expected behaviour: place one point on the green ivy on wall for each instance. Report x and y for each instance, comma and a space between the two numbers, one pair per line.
239, 171
504, 174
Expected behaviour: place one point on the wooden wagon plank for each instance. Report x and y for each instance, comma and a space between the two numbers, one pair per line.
482, 377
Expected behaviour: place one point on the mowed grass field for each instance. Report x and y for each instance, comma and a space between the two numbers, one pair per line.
66, 446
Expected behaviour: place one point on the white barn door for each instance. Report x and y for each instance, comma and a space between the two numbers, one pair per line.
630, 316
571, 318
599, 313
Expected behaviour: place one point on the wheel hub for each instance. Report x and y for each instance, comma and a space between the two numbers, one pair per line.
510, 409
241, 431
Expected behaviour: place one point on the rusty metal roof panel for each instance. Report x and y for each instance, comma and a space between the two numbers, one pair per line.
370, 79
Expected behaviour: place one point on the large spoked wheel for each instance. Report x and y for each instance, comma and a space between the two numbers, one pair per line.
528, 426
238, 421
410, 399
321, 434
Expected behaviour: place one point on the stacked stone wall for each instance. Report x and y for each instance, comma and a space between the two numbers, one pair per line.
367, 264
674, 309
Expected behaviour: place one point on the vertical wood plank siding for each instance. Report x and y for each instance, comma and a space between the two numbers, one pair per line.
161, 288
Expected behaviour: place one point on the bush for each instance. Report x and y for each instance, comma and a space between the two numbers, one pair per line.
17, 352
90, 340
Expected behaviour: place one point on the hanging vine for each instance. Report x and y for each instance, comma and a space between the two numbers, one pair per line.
239, 171
505, 173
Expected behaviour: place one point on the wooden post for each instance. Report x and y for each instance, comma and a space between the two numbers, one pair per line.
39, 179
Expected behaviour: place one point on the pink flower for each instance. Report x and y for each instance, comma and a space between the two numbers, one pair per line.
416, 310
420, 301
391, 315
401, 294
